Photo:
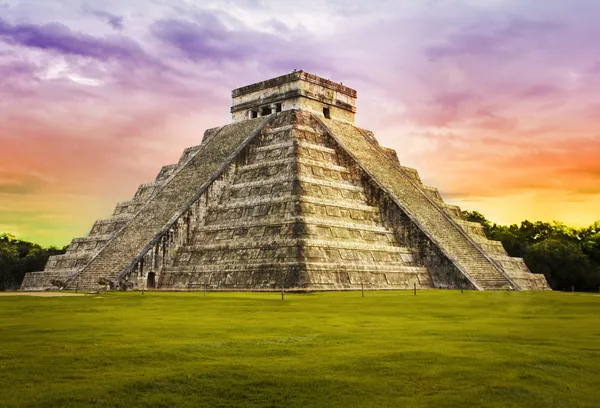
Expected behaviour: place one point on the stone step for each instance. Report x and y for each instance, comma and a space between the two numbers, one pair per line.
317, 147
278, 242
433, 193
358, 275
62, 271
289, 219
413, 174
73, 255
128, 203
278, 179
273, 146
347, 185
453, 210
266, 163
345, 203
99, 237
90, 243
292, 143
291, 160
251, 208
149, 184
165, 172
146, 190
328, 166
188, 152
388, 267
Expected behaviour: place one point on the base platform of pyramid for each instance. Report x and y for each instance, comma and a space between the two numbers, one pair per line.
291, 194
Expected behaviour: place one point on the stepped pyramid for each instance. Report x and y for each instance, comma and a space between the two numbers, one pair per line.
290, 194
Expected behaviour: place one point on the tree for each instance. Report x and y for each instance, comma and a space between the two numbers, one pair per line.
566, 256
476, 216
590, 238
564, 264
19, 257
8, 263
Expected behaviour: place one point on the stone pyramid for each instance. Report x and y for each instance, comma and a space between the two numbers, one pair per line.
290, 194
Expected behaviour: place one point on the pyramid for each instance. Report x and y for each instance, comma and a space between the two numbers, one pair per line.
290, 194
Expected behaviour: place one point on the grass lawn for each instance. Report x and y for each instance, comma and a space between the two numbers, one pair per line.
388, 349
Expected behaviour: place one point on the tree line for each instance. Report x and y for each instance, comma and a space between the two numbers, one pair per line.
568, 257
18, 257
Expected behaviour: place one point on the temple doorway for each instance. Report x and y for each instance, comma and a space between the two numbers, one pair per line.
151, 282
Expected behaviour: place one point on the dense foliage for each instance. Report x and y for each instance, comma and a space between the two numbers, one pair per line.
568, 257
19, 257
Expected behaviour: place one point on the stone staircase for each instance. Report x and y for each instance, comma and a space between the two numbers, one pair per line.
196, 167
81, 250
512, 266
293, 215
479, 268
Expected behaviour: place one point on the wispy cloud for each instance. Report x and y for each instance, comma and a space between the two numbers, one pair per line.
22, 182
494, 37
113, 20
59, 38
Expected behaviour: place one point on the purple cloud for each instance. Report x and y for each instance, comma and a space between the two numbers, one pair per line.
484, 39
208, 40
13, 69
60, 38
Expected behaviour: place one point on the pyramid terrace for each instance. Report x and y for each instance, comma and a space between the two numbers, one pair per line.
290, 194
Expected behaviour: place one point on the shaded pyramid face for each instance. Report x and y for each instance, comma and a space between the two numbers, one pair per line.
290, 199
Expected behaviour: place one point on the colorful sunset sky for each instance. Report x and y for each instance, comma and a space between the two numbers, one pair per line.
495, 102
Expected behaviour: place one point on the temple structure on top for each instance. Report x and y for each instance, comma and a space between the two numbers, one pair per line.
290, 194
296, 91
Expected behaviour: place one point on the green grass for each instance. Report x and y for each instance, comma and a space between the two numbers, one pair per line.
388, 349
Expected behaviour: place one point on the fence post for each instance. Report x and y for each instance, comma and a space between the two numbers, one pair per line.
362, 289
205, 290
572, 288
415, 288
281, 292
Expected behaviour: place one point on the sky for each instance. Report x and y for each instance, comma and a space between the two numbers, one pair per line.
495, 102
